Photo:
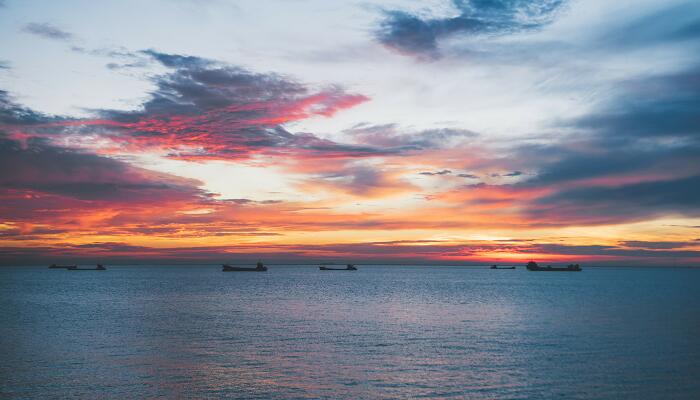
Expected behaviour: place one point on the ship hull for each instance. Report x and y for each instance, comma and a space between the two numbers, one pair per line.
243, 269
86, 269
555, 269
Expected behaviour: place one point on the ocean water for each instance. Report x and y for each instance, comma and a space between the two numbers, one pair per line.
381, 332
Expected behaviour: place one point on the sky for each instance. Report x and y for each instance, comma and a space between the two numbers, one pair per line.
420, 132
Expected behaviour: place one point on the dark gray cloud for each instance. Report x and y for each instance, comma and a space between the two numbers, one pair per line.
470, 176
182, 61
656, 245
40, 167
413, 35
391, 137
597, 250
654, 106
198, 85
361, 180
124, 65
606, 155
623, 202
442, 172
12, 113
47, 31
249, 201
633, 157
512, 174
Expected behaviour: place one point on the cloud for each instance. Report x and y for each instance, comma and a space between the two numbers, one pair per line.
47, 31
442, 172
677, 23
12, 113
632, 157
39, 167
470, 176
394, 251
633, 201
205, 110
512, 174
202, 110
359, 180
413, 35
391, 137
656, 245
4, 64
655, 106
615, 251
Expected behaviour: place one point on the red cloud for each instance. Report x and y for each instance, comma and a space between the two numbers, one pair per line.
234, 132
202, 110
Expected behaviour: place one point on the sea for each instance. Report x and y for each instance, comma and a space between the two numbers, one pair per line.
382, 332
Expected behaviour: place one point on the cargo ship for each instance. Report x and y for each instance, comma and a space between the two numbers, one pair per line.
497, 267
533, 266
56, 266
99, 267
349, 267
258, 268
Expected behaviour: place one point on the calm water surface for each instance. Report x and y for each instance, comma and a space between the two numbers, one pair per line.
380, 332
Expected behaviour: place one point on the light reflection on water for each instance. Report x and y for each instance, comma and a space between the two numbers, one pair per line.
380, 332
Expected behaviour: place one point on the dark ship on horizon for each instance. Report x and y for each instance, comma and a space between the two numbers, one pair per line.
259, 267
99, 267
349, 267
533, 266
497, 267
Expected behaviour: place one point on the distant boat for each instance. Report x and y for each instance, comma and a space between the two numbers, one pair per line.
497, 267
349, 267
258, 268
533, 266
99, 267
55, 266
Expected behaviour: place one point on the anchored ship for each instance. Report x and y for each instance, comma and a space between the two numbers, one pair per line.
258, 268
533, 266
99, 267
497, 267
349, 267
56, 266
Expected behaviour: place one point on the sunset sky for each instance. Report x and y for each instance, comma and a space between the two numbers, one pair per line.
441, 132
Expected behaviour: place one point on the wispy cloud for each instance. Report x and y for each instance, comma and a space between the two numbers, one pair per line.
414, 35
47, 31
441, 172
